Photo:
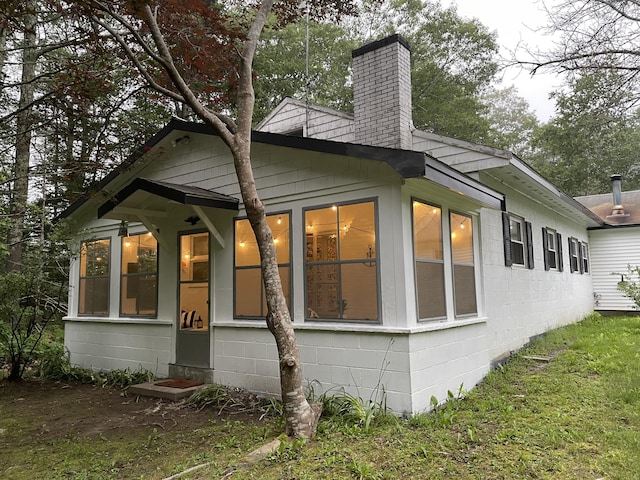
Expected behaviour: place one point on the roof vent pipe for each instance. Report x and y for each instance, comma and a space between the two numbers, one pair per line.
616, 186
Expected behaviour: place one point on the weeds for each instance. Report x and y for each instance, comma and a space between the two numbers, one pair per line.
56, 365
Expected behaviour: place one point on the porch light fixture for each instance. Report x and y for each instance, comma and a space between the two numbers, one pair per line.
122, 230
192, 220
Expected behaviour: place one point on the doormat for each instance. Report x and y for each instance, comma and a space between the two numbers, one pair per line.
179, 383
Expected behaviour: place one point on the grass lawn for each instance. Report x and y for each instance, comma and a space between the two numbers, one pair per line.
573, 416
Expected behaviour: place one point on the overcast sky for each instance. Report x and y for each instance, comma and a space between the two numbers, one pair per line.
515, 21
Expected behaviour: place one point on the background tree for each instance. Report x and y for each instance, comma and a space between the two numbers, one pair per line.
593, 35
280, 66
511, 121
592, 136
453, 63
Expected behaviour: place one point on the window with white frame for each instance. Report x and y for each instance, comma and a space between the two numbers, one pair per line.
575, 252
250, 299
139, 275
95, 263
584, 248
429, 261
552, 249
464, 284
341, 264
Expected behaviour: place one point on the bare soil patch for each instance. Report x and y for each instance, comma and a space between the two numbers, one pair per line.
85, 410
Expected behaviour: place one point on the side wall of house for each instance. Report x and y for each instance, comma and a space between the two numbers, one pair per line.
523, 303
611, 251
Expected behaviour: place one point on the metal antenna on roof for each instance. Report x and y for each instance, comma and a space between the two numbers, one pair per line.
306, 76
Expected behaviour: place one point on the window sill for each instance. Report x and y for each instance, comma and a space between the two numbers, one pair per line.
125, 320
369, 328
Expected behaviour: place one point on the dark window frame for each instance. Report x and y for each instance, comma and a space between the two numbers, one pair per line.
375, 263
288, 265
138, 276
92, 279
473, 265
417, 260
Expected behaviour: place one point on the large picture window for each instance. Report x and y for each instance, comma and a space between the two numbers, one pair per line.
94, 277
464, 283
250, 299
341, 263
429, 261
139, 275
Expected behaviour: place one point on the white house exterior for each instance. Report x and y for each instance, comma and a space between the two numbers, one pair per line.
411, 262
614, 245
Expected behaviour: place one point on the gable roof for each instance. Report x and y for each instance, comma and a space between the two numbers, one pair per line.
290, 101
406, 163
184, 194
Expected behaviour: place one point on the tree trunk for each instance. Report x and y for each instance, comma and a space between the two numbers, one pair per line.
301, 418
24, 125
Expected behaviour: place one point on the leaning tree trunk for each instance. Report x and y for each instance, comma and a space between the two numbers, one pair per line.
24, 125
301, 418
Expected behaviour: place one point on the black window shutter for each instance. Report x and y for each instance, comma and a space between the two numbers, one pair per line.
560, 261
545, 248
571, 254
580, 257
506, 239
529, 233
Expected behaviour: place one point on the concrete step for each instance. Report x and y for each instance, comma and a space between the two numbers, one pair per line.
152, 389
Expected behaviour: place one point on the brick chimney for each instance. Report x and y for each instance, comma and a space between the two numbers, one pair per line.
382, 93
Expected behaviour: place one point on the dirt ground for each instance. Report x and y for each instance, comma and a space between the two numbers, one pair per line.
87, 410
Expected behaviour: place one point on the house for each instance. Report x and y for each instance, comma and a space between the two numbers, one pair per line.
615, 244
411, 262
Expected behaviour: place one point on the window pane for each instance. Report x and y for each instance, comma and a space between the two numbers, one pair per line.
194, 257
248, 288
322, 291
517, 253
465, 289
427, 231
359, 291
280, 228
194, 305
461, 239
97, 258
357, 231
430, 288
321, 222
94, 277
516, 229
247, 253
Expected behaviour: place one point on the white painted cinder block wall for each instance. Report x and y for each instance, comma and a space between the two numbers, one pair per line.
523, 303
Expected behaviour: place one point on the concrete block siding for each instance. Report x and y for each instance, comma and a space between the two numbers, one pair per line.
117, 345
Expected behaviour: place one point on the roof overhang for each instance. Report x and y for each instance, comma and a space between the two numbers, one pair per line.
183, 194
446, 176
149, 201
520, 176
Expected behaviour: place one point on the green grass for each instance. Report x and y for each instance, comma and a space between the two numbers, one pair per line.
575, 417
